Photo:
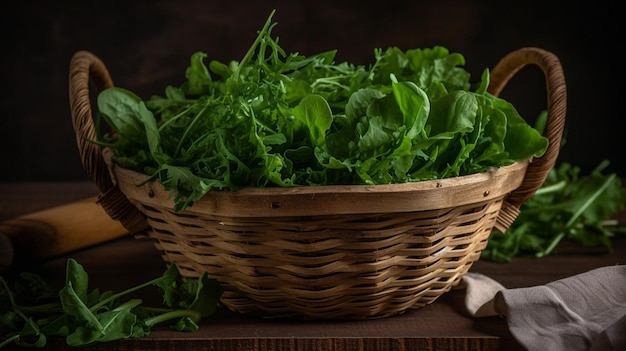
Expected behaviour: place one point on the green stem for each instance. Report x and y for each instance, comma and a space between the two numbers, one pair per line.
252, 48
590, 200
47, 307
5, 286
553, 244
171, 120
557, 239
190, 127
9, 340
194, 315
551, 188
16, 309
125, 292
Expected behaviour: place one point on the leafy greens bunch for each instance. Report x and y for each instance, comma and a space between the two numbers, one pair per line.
278, 119
32, 311
569, 207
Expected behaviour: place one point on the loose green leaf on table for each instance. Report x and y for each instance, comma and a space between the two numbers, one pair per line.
31, 311
568, 207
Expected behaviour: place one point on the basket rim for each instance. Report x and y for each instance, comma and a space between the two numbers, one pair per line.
489, 185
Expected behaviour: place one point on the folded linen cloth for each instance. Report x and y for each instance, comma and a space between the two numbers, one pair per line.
582, 312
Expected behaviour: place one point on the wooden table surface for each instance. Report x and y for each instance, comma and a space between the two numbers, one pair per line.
122, 263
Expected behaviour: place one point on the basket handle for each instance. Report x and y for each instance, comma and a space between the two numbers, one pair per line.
538, 168
86, 68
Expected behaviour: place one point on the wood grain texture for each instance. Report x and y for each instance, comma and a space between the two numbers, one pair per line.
335, 199
60, 230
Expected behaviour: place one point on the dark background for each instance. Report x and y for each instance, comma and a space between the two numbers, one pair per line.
146, 45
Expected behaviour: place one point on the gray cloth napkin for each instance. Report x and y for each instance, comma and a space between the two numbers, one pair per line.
582, 312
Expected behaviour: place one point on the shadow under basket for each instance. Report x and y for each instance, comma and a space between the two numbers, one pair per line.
325, 252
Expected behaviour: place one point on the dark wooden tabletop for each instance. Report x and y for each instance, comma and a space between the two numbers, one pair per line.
121, 263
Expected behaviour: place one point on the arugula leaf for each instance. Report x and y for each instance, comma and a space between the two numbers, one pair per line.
285, 119
568, 206
86, 317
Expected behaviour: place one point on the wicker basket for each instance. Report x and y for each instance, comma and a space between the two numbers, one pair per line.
328, 252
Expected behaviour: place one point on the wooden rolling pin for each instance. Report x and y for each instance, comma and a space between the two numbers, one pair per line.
56, 231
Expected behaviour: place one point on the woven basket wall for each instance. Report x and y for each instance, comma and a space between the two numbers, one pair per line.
328, 252
341, 252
